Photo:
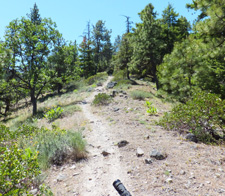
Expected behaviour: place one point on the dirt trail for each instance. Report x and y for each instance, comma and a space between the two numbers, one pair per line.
100, 171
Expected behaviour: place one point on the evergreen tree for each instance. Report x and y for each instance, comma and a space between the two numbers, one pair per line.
146, 44
86, 58
199, 60
173, 29
123, 56
102, 47
182, 69
211, 30
117, 44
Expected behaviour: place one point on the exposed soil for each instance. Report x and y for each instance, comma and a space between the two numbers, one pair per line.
189, 169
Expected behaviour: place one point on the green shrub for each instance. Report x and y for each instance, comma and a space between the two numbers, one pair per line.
151, 109
18, 170
96, 78
203, 115
7, 136
140, 95
101, 99
55, 146
53, 113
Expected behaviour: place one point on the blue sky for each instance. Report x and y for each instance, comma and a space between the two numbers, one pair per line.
71, 16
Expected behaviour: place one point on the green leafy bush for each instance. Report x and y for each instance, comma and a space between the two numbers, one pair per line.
18, 170
101, 99
203, 115
53, 113
151, 109
19, 165
7, 136
140, 95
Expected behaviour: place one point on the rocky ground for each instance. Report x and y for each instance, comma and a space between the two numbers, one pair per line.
124, 143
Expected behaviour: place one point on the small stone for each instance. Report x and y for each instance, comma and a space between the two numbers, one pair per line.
147, 137
148, 161
105, 153
122, 143
84, 102
191, 137
114, 92
192, 177
169, 170
61, 177
208, 182
116, 109
75, 174
139, 152
111, 84
129, 171
169, 180
158, 155
99, 84
217, 175
201, 185
73, 167
182, 172
221, 190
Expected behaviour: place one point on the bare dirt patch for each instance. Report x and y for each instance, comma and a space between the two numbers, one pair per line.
189, 169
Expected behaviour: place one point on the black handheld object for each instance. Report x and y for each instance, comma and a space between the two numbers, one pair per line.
118, 185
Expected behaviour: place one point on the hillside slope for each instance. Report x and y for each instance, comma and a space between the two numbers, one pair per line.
188, 168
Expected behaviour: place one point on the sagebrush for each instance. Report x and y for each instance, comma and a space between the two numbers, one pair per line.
140, 95
102, 99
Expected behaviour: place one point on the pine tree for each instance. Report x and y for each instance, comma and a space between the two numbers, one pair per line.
173, 29
86, 62
146, 45
102, 47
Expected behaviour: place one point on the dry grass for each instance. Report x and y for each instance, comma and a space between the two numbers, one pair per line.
69, 102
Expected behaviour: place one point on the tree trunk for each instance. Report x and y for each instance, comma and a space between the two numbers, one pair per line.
59, 88
156, 81
34, 102
155, 77
7, 102
128, 73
